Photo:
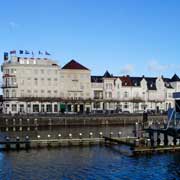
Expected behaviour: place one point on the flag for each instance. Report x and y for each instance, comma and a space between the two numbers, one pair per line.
46, 53
21, 52
40, 53
5, 56
27, 52
13, 52
32, 53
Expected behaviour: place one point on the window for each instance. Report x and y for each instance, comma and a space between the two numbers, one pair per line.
110, 94
49, 92
55, 108
35, 107
14, 107
42, 71
125, 94
22, 93
49, 81
13, 93
42, 91
42, 108
36, 81
49, 107
97, 105
125, 105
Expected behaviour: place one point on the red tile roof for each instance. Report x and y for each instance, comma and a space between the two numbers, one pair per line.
126, 81
74, 65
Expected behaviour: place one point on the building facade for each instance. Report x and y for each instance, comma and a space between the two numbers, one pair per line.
40, 85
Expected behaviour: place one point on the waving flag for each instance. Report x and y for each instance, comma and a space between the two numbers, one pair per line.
46, 53
5, 56
13, 52
21, 52
40, 53
27, 52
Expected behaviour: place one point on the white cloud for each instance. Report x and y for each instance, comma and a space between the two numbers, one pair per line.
154, 66
127, 69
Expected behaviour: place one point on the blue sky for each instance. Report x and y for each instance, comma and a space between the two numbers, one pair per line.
139, 37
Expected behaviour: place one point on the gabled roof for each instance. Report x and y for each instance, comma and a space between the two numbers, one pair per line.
74, 65
107, 75
175, 78
97, 79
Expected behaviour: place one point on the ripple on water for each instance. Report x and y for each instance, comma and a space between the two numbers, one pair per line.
86, 163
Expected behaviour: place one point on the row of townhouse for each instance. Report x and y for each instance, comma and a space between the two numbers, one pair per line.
40, 85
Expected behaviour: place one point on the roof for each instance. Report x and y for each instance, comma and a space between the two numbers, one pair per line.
151, 83
97, 79
136, 81
74, 65
175, 78
107, 75
167, 82
126, 81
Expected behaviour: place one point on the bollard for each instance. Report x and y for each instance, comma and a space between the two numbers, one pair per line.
38, 136
90, 134
100, 134
80, 135
59, 135
136, 129
111, 134
148, 142
27, 143
17, 143
136, 142
7, 143
119, 134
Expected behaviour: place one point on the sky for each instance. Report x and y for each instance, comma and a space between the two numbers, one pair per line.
134, 37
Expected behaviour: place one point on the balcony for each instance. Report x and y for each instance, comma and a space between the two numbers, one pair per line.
9, 86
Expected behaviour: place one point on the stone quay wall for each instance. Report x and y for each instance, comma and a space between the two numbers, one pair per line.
74, 120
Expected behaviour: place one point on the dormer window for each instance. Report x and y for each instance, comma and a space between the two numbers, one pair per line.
151, 85
135, 84
125, 83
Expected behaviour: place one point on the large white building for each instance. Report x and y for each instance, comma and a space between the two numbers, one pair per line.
40, 85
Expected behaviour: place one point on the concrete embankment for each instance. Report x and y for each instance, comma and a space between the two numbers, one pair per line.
32, 121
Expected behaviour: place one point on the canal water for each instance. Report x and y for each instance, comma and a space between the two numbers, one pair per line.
85, 163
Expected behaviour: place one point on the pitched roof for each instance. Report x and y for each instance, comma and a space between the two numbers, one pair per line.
107, 75
126, 81
175, 78
97, 79
167, 82
151, 83
136, 81
74, 65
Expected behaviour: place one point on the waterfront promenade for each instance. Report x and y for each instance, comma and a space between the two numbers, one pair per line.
31, 122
